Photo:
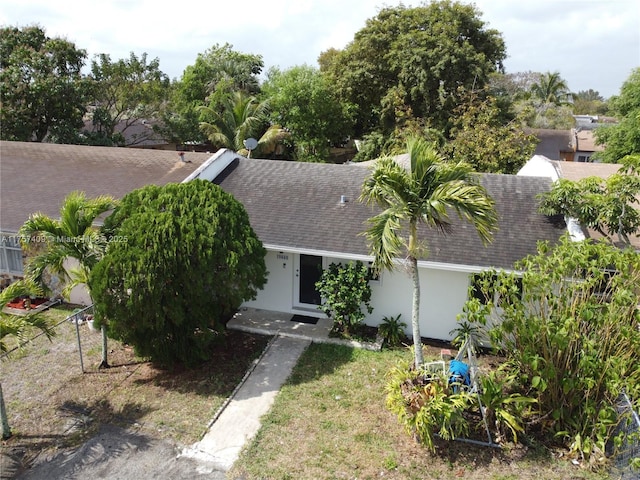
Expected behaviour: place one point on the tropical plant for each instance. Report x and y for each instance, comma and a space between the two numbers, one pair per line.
576, 349
345, 289
609, 206
392, 330
502, 408
17, 327
551, 88
73, 236
423, 194
189, 261
425, 405
240, 118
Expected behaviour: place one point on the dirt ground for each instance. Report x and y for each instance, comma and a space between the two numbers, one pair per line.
67, 424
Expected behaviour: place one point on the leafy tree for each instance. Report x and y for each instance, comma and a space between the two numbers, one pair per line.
420, 55
425, 194
42, 92
185, 259
611, 206
589, 102
241, 117
345, 290
219, 69
576, 350
303, 102
73, 236
623, 138
481, 139
17, 328
124, 92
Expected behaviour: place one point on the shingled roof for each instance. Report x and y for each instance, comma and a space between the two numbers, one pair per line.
36, 177
296, 205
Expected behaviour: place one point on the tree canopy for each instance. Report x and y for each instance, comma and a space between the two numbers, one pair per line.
42, 91
415, 58
125, 92
623, 138
302, 101
181, 260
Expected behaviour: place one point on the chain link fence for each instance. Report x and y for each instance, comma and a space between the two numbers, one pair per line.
630, 448
90, 340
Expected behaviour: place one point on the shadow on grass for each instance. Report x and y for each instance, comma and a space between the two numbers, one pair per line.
320, 359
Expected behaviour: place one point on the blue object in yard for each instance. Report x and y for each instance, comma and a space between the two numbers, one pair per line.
459, 372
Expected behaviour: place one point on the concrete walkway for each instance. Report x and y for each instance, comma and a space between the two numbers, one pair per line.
240, 419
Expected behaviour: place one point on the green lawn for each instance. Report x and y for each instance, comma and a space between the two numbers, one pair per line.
330, 421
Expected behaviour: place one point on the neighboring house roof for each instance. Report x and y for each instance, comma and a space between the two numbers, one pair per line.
36, 177
585, 142
137, 133
552, 143
296, 205
574, 171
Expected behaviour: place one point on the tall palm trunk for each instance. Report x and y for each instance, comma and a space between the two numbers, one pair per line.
415, 312
415, 276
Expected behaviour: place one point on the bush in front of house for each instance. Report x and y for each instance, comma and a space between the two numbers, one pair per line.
181, 259
345, 291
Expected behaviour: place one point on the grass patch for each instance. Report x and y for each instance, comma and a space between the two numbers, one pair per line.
330, 421
51, 404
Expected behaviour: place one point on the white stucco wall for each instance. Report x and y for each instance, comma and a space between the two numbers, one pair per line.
443, 294
277, 294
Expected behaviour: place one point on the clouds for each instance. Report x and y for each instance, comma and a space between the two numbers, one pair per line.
592, 43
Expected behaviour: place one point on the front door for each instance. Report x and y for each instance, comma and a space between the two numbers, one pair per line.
308, 270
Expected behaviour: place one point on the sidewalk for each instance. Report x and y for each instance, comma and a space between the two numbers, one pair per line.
240, 420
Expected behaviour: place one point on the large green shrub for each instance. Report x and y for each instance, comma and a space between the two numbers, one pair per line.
345, 290
181, 260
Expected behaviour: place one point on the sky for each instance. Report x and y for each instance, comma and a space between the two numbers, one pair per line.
593, 44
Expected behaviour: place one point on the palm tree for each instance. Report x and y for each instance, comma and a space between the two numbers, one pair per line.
17, 327
73, 236
425, 194
551, 88
241, 117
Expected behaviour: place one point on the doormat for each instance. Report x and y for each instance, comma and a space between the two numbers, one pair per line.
304, 319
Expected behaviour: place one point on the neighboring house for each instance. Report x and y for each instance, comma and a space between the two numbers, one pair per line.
306, 214
36, 177
554, 144
541, 166
584, 144
575, 145
137, 133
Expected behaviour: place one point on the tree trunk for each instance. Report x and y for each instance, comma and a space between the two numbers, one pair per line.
6, 430
415, 312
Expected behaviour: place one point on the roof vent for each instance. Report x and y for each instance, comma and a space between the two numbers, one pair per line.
343, 199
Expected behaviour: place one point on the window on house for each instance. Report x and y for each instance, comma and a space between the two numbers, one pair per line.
373, 275
10, 254
483, 287
583, 158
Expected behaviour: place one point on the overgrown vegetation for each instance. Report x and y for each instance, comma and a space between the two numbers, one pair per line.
570, 330
392, 331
